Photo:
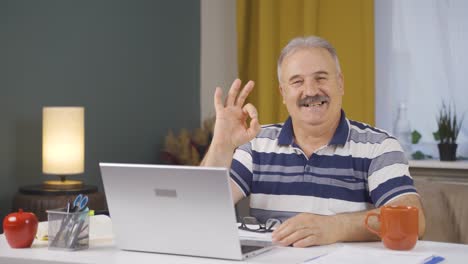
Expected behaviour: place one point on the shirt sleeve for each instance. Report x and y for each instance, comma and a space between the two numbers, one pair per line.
388, 176
241, 168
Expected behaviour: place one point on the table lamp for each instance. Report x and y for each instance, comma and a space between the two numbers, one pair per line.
62, 145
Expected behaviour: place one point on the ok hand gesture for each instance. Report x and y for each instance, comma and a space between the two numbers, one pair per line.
231, 129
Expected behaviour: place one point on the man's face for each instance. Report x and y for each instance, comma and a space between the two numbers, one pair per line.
311, 86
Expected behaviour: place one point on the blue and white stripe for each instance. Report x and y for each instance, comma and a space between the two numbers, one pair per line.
361, 168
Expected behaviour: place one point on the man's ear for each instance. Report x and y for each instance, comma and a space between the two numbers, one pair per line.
341, 83
282, 93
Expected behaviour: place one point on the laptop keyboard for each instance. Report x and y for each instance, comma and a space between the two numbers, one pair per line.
246, 249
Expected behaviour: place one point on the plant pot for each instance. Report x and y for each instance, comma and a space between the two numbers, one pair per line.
447, 151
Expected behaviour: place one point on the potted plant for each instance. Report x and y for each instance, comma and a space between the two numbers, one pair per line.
448, 128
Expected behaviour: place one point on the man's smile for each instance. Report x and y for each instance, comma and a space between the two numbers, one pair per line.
314, 102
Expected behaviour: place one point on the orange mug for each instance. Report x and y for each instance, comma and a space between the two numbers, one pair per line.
398, 226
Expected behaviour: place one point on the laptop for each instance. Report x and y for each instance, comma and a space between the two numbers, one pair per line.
181, 210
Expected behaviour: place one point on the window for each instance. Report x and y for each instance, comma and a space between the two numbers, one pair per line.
421, 59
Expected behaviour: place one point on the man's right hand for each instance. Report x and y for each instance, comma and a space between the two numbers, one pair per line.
231, 129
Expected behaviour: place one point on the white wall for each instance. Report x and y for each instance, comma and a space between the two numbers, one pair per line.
218, 50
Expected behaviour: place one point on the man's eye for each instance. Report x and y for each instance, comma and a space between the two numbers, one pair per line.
297, 82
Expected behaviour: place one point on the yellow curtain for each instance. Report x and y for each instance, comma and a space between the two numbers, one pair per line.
264, 27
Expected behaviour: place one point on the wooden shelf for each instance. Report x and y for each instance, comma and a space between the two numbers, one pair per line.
441, 171
437, 164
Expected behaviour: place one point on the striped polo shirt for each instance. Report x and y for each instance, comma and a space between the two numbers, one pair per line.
361, 168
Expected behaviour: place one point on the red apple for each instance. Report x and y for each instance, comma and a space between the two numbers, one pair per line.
20, 229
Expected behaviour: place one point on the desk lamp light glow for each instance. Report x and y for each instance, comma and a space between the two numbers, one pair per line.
62, 145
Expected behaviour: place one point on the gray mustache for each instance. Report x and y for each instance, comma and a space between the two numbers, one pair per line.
313, 99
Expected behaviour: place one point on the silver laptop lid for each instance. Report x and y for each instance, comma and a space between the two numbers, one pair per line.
172, 209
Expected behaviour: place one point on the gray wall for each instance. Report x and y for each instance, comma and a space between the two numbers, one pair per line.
134, 66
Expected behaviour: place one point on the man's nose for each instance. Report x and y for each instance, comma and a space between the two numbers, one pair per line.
311, 88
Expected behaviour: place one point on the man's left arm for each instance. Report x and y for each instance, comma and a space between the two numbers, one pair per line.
389, 184
308, 229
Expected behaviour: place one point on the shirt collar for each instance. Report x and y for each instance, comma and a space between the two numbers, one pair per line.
286, 136
342, 131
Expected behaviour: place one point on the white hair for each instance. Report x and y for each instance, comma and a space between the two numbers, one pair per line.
307, 42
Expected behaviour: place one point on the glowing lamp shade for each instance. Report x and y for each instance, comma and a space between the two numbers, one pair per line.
63, 140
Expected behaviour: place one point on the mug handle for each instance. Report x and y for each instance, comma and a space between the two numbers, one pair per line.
367, 224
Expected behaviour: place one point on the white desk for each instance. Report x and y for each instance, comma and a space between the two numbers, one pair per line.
105, 252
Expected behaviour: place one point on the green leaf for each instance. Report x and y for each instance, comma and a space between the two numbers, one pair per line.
418, 155
415, 137
436, 135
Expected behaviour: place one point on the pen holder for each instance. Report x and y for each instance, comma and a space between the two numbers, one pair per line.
68, 230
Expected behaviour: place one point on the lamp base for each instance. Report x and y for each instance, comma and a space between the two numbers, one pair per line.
62, 185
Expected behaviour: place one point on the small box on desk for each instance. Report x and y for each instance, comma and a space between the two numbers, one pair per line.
68, 230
